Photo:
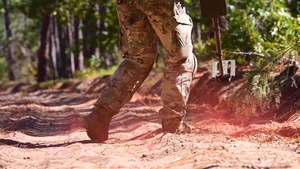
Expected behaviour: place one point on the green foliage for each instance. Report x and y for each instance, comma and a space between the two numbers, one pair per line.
205, 50
265, 27
3, 70
26, 18
95, 62
262, 93
99, 22
254, 26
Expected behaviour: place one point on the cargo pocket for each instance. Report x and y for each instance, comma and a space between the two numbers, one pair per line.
183, 30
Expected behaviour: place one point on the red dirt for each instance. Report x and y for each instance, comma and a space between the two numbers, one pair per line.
38, 129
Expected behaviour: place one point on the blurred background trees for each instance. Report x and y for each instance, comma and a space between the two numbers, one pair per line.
43, 40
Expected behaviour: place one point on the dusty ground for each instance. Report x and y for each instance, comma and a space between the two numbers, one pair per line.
36, 131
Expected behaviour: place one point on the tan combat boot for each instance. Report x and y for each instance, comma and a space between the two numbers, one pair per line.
175, 125
97, 124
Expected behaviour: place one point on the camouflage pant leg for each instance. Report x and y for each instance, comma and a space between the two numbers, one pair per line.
138, 43
173, 26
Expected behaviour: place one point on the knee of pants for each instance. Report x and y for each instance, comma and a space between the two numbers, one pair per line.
181, 48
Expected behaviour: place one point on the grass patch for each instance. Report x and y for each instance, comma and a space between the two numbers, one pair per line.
51, 83
92, 72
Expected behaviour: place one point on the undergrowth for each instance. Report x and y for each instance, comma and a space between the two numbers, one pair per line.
263, 91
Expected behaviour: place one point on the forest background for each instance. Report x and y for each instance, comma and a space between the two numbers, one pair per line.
46, 40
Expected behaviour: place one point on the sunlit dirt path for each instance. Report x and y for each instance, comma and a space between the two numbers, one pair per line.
40, 129
36, 133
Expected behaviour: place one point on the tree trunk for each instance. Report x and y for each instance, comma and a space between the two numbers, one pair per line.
53, 48
102, 33
57, 46
78, 56
63, 57
71, 46
10, 58
89, 33
197, 33
42, 51
85, 40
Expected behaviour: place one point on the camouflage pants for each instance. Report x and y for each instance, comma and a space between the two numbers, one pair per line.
142, 22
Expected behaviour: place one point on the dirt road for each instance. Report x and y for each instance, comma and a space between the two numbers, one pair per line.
39, 130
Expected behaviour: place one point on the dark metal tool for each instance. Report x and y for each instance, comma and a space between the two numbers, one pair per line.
214, 9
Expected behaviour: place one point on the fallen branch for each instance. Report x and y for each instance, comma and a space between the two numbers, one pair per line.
252, 54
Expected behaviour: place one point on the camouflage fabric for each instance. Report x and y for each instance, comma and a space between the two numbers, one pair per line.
142, 22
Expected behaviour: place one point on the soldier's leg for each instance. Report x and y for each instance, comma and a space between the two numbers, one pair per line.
138, 43
173, 27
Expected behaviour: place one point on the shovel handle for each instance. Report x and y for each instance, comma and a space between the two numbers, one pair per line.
216, 28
